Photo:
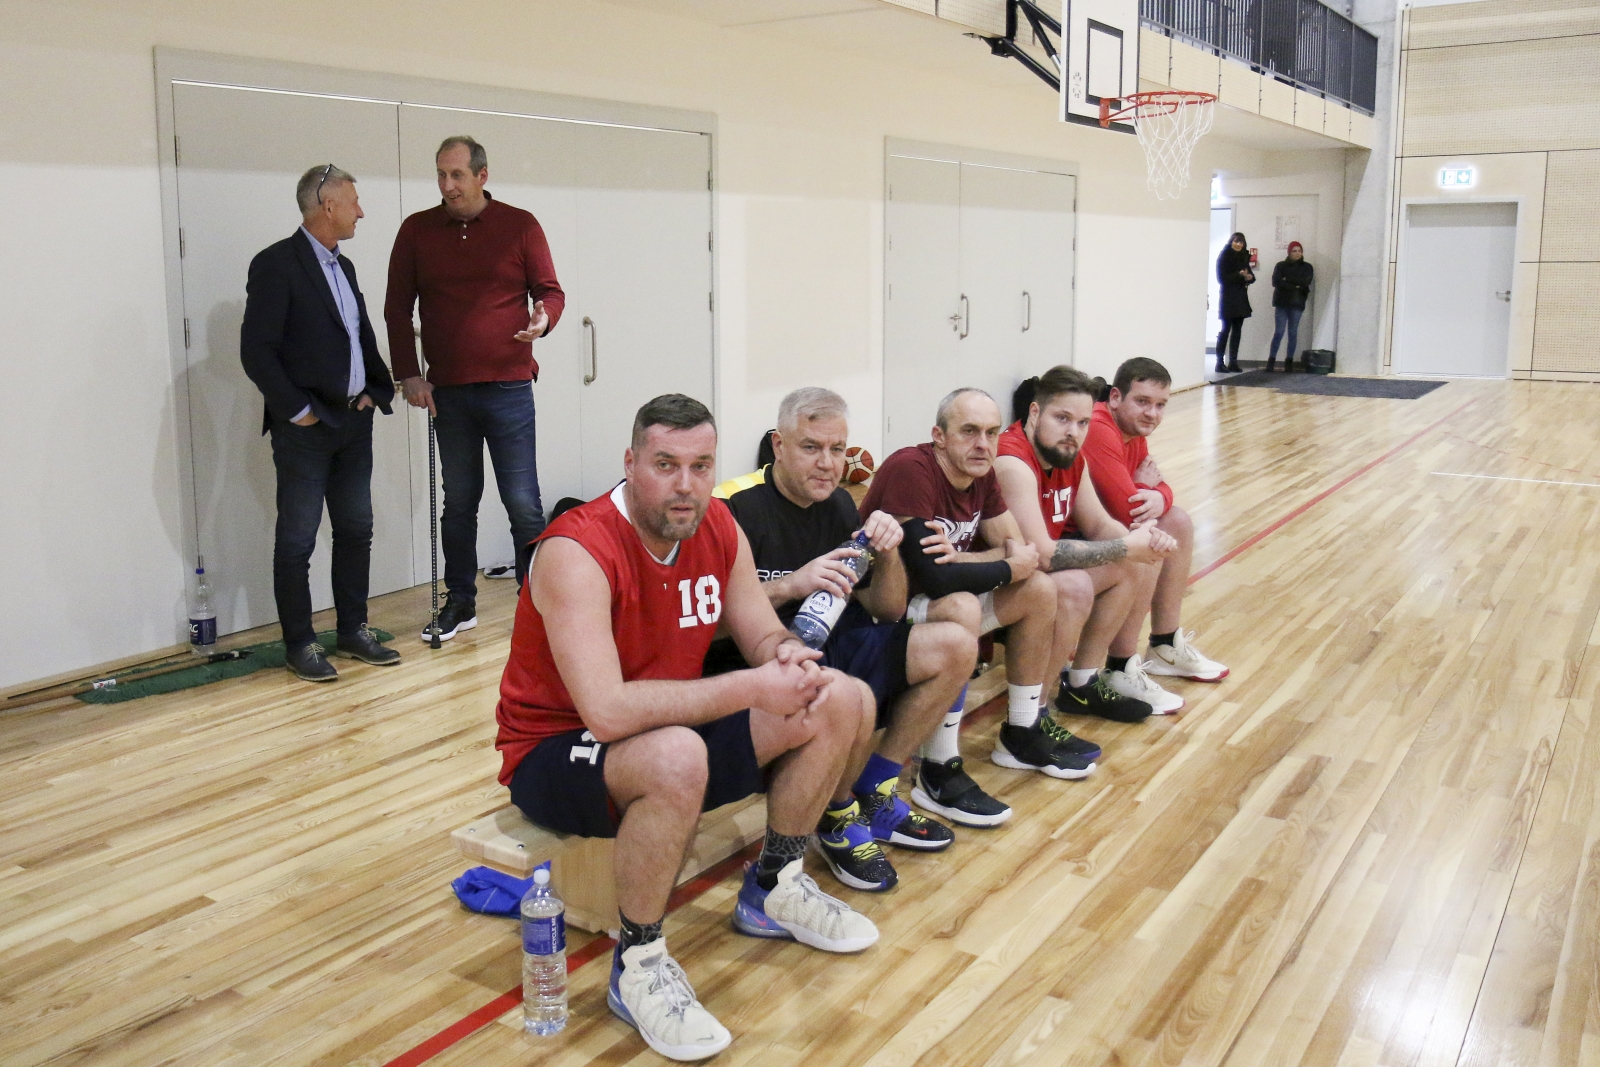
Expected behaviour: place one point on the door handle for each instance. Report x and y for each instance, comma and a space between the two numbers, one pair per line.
1027, 311
594, 351
961, 321
1503, 295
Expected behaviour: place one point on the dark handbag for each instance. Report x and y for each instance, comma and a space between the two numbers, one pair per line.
1317, 360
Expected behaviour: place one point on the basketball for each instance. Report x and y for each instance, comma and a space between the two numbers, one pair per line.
858, 464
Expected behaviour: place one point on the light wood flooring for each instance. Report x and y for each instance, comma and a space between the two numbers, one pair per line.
1377, 842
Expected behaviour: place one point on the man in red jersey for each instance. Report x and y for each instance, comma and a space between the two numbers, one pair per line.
944, 495
471, 267
1129, 482
1103, 571
607, 729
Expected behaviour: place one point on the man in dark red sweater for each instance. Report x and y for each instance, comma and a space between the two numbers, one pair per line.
473, 264
1129, 484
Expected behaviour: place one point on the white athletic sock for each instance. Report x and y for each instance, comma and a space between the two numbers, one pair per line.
1022, 704
944, 745
1078, 679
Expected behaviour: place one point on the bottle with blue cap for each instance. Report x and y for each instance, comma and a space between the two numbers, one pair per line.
544, 958
821, 610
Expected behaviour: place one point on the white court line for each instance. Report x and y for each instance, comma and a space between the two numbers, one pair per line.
1499, 478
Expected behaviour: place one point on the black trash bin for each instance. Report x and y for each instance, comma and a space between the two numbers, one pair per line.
1317, 360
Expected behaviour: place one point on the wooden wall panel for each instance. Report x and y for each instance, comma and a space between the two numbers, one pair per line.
1278, 101
1309, 110
1501, 20
985, 16
1518, 96
1241, 88
1155, 57
1568, 318
1193, 69
1571, 224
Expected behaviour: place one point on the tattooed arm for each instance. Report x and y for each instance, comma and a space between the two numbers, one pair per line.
1072, 555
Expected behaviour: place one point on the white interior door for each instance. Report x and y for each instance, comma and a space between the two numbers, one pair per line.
922, 295
1221, 230
531, 166
1456, 267
643, 282
1016, 271
241, 153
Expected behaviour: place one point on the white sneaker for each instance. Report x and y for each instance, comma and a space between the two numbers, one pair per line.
650, 993
811, 916
1132, 681
1182, 660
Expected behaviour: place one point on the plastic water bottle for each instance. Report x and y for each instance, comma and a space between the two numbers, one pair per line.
814, 621
202, 619
544, 958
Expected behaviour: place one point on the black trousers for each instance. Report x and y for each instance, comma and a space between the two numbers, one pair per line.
318, 464
1232, 329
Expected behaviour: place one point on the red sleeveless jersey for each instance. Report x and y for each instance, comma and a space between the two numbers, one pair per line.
1055, 489
663, 616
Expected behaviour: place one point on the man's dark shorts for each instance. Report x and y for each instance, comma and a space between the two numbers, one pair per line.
561, 784
876, 654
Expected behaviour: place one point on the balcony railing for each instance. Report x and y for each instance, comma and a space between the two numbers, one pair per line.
1301, 42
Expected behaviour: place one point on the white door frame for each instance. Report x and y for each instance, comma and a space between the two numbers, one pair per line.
1403, 228
206, 68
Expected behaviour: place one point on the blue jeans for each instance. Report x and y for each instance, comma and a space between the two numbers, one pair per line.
469, 416
1285, 319
318, 464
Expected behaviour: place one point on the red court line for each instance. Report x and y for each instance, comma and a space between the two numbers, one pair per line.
470, 1024
1261, 535
691, 889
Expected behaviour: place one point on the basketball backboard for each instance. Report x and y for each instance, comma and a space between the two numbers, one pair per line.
1102, 57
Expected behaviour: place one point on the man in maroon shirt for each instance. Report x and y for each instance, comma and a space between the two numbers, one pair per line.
473, 264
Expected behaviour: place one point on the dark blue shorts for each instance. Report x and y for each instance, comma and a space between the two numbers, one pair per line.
876, 654
561, 784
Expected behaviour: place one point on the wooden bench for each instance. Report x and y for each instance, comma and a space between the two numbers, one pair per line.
580, 867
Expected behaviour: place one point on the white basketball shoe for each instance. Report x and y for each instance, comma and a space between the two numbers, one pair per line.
1182, 660
650, 993
1132, 681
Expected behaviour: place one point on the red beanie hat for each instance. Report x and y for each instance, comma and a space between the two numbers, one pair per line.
1296, 244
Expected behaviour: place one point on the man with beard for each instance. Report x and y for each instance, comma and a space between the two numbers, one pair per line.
944, 495
797, 519
1102, 570
1129, 482
607, 729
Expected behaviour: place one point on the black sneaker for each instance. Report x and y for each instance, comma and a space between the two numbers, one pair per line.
853, 856
458, 614
946, 789
310, 662
1065, 739
363, 645
1098, 698
1026, 748
894, 823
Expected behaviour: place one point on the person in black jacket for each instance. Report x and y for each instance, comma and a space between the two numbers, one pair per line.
1235, 277
1291, 284
308, 345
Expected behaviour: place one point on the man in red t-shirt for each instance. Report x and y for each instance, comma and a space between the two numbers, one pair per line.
1129, 482
471, 267
1103, 570
944, 495
607, 729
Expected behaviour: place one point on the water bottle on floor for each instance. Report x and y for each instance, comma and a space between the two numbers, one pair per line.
202, 619
818, 612
544, 958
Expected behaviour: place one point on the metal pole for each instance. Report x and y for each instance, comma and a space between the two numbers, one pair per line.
434, 640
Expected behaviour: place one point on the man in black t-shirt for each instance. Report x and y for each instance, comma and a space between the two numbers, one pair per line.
797, 519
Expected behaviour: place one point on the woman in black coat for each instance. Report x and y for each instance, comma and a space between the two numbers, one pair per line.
1235, 277
1291, 284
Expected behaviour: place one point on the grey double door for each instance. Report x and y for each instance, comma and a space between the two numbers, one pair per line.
627, 212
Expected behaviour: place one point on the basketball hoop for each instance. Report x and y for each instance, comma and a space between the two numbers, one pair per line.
1169, 123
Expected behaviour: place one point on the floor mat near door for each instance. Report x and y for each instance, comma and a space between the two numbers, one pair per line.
1328, 385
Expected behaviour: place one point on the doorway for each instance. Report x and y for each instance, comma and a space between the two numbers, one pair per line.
1453, 312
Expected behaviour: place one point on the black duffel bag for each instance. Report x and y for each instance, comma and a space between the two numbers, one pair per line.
1317, 360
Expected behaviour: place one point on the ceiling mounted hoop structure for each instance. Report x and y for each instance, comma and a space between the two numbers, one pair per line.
1169, 124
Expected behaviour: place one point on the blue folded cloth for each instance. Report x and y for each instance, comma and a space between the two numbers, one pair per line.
490, 892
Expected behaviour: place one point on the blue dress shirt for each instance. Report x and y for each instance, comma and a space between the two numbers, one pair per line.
345, 298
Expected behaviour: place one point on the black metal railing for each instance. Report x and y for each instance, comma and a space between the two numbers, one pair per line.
1301, 42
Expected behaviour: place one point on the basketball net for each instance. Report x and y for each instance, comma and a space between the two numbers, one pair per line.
1169, 124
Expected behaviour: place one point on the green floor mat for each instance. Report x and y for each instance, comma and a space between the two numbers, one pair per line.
131, 687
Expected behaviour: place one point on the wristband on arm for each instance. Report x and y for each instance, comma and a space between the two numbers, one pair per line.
942, 579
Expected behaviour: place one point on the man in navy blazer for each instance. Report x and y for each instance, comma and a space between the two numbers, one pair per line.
308, 345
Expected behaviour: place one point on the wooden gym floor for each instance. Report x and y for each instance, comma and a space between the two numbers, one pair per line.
1377, 842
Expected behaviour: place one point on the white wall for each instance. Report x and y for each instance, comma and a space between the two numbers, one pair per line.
90, 528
